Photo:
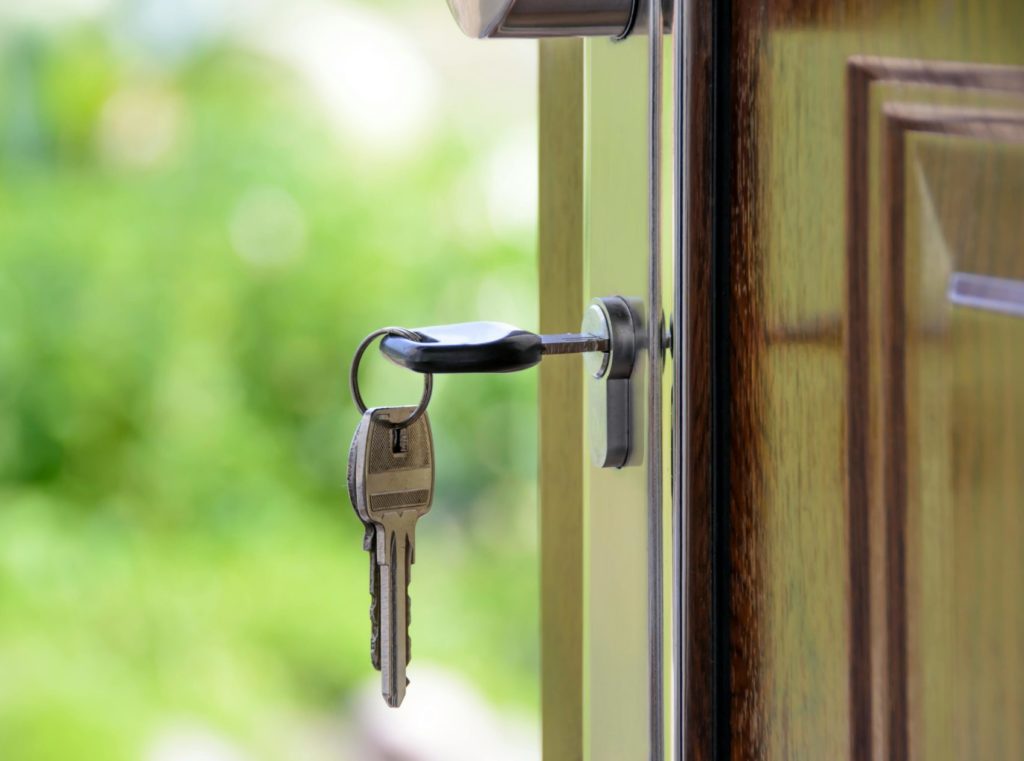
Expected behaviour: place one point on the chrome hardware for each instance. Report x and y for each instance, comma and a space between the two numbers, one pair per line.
545, 18
609, 379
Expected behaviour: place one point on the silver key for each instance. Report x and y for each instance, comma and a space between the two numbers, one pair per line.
393, 487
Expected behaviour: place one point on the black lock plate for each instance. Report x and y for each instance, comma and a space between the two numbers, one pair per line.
470, 347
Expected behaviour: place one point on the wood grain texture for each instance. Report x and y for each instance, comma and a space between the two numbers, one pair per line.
705, 722
561, 399
804, 615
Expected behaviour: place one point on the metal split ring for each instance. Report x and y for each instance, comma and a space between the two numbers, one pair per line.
353, 376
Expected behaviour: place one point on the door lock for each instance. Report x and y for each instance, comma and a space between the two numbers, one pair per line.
611, 335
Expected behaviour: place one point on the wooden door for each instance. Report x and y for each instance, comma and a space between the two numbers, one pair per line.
848, 363
856, 373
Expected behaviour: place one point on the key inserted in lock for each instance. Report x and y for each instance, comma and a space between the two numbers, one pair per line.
610, 338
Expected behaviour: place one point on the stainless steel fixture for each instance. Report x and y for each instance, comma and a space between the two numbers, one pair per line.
546, 18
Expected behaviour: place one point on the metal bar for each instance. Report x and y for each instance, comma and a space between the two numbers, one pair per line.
573, 343
682, 31
655, 349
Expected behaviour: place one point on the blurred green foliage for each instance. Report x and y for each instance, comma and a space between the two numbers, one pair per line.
175, 539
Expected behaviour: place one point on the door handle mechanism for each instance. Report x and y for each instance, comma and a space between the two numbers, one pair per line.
545, 18
610, 338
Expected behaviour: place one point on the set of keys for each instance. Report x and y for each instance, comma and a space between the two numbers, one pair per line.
391, 485
391, 462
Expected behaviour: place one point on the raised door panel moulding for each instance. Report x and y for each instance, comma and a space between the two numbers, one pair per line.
891, 103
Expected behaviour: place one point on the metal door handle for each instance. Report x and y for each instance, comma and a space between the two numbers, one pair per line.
545, 18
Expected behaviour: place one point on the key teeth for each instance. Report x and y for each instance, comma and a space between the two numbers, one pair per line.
374, 642
374, 611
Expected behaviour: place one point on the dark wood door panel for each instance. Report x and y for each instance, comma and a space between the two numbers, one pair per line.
865, 447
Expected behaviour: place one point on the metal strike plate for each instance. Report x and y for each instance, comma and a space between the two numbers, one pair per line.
609, 379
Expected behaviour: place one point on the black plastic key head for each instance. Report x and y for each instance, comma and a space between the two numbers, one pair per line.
469, 347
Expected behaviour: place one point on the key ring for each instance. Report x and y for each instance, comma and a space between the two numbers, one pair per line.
353, 376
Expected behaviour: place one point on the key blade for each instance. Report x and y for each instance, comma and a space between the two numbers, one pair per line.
573, 343
394, 578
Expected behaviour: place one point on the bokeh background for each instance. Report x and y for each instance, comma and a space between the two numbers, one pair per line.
204, 206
